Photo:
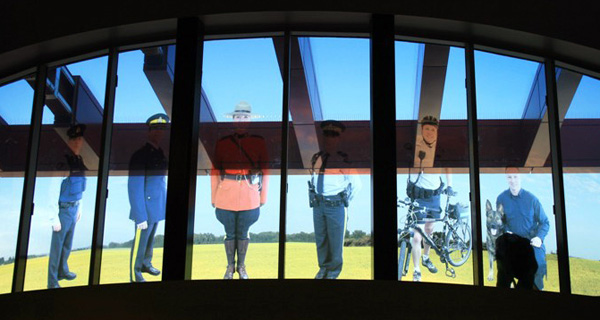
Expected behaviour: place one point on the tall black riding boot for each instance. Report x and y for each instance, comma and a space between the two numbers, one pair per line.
242, 248
230, 252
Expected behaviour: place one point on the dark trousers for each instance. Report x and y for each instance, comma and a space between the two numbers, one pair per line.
330, 229
141, 251
60, 245
237, 223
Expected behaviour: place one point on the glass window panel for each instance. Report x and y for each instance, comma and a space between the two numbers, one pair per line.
236, 229
329, 81
516, 179
432, 155
135, 206
578, 99
65, 186
16, 100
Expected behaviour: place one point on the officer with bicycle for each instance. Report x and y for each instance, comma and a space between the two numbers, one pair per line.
426, 189
332, 185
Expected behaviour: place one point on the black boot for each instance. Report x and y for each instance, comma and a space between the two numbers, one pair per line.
230, 252
242, 248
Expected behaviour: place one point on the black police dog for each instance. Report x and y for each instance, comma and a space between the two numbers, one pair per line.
495, 228
515, 259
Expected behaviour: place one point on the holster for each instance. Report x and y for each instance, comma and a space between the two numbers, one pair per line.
344, 196
313, 200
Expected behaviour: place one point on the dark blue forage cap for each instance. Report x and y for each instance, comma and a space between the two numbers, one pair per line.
76, 130
157, 120
333, 126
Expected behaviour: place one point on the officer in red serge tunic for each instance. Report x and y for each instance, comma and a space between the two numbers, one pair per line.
239, 181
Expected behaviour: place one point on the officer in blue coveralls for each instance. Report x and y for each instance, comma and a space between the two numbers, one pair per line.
525, 217
147, 196
69, 211
333, 184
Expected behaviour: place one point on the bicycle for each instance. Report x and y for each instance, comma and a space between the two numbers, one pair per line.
455, 246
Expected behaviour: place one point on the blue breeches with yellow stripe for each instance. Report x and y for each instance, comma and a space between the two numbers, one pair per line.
141, 251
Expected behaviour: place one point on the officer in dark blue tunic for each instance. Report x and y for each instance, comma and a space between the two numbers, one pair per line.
147, 196
63, 226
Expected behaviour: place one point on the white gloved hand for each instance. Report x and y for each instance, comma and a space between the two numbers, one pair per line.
536, 242
143, 225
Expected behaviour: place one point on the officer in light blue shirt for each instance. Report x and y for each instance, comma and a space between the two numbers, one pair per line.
69, 211
333, 184
147, 190
525, 217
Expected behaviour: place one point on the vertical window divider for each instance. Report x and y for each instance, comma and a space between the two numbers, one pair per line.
284, 155
30, 175
183, 151
383, 149
475, 186
564, 273
103, 168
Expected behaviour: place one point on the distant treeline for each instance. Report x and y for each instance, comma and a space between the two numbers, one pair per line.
357, 238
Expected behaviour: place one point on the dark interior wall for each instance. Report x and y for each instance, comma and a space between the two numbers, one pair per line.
24, 22
32, 32
292, 299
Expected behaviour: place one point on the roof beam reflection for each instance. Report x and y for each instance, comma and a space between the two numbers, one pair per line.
567, 83
305, 103
432, 64
159, 68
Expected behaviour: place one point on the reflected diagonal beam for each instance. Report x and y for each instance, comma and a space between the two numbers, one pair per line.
69, 98
159, 68
432, 65
304, 100
567, 83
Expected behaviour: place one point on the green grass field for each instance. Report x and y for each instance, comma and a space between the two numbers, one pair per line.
301, 263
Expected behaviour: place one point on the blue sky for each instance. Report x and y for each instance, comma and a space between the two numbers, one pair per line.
247, 70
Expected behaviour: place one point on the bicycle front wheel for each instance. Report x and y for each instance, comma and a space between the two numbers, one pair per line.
458, 243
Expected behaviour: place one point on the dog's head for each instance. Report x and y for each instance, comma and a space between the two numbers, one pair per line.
493, 219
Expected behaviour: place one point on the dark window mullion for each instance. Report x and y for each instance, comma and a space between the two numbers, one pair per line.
183, 151
557, 178
103, 168
284, 155
474, 166
30, 175
383, 148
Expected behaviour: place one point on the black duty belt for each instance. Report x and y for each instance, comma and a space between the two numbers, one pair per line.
68, 204
330, 201
236, 177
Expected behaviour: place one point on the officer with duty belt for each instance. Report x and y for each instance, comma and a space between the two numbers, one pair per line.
147, 196
69, 204
332, 185
239, 185
426, 188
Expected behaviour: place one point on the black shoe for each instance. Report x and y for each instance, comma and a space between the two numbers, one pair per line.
321, 274
139, 278
429, 265
69, 276
151, 270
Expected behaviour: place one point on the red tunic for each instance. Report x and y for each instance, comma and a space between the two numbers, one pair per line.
230, 159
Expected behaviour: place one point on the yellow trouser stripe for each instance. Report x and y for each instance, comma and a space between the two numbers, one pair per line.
136, 245
345, 225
